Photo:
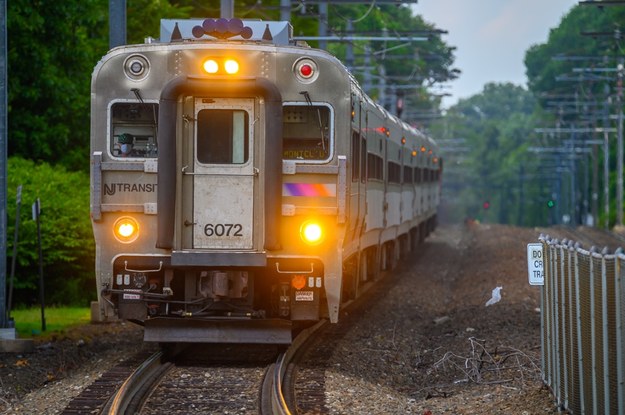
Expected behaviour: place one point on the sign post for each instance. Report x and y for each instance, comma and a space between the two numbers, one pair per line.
36, 217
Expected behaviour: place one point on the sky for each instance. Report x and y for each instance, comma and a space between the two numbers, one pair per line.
491, 37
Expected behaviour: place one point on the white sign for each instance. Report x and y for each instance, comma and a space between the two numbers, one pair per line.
304, 296
535, 264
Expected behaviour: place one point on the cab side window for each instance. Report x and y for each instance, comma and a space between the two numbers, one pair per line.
133, 130
307, 132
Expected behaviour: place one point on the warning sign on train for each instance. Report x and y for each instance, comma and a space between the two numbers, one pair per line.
535, 264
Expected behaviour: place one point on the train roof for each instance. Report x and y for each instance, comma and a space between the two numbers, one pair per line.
276, 33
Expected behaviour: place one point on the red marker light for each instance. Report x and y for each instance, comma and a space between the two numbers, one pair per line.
306, 70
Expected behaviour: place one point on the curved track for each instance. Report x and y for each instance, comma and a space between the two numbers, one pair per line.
131, 395
242, 379
201, 378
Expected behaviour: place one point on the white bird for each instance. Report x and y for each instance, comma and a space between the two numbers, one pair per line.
496, 296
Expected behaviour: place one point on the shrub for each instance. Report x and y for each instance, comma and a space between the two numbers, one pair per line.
66, 235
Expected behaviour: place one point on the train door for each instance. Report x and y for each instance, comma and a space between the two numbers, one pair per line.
359, 172
223, 177
362, 194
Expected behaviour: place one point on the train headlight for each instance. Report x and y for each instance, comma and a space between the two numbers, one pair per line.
231, 66
311, 232
219, 66
211, 66
126, 229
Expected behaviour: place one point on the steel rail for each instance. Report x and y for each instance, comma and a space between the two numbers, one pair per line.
135, 385
276, 374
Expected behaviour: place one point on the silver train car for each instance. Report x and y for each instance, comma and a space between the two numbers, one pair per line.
243, 184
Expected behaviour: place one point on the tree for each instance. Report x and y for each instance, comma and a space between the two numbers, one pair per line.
547, 61
52, 48
591, 95
494, 126
67, 239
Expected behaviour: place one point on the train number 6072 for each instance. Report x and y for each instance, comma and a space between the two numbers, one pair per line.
223, 229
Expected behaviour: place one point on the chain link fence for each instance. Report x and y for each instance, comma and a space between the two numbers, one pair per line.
582, 303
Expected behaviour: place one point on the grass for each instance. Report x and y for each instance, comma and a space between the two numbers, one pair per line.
28, 321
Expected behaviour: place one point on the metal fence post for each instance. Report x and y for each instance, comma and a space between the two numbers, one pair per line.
618, 292
604, 318
580, 355
565, 330
558, 333
549, 317
593, 332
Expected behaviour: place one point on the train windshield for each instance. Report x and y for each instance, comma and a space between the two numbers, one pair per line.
133, 129
222, 136
307, 132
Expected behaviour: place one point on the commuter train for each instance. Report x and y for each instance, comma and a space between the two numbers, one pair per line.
244, 185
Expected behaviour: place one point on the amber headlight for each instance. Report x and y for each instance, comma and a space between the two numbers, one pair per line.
211, 66
216, 66
311, 232
126, 229
231, 66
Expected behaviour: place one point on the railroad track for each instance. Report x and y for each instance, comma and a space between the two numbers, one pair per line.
203, 379
226, 378
222, 378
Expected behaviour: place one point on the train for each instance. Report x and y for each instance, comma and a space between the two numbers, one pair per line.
244, 185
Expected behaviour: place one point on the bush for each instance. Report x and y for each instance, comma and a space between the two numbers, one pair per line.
66, 236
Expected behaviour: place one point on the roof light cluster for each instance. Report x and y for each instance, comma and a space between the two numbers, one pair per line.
219, 65
222, 29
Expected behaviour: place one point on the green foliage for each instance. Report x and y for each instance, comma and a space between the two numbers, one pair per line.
563, 69
144, 17
497, 127
66, 236
52, 48
546, 62
419, 64
28, 320
493, 126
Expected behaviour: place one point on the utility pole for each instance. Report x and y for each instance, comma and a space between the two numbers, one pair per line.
323, 25
619, 101
3, 161
285, 10
349, 47
619, 146
367, 75
8, 335
606, 157
227, 9
117, 23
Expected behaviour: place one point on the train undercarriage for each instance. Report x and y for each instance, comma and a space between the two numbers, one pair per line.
241, 305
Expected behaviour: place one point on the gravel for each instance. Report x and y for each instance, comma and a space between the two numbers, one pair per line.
430, 345
427, 345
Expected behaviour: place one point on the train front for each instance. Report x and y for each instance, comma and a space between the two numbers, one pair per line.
200, 238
